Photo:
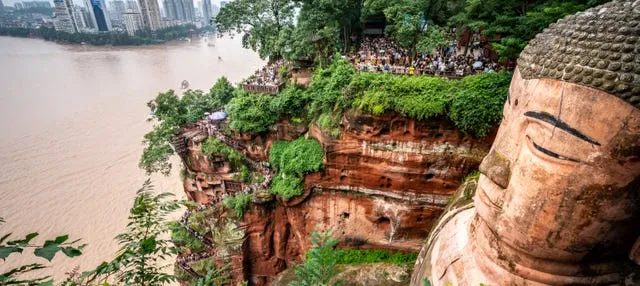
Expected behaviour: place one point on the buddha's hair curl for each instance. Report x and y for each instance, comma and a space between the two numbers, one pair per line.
599, 48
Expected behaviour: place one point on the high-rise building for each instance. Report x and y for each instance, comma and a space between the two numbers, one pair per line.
150, 14
79, 17
64, 19
118, 7
182, 10
101, 15
133, 5
132, 21
1, 6
87, 18
207, 12
19, 6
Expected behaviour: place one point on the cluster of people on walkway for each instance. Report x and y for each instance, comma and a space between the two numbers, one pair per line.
267, 75
384, 55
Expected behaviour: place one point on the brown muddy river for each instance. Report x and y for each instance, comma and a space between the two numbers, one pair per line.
71, 122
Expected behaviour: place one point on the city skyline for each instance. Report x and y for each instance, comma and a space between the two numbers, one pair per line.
81, 2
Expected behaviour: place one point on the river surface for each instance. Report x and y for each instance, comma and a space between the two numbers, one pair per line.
71, 123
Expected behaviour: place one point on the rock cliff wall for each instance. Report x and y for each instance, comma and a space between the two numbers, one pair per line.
386, 181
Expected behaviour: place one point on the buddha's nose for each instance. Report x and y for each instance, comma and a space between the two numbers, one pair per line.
496, 167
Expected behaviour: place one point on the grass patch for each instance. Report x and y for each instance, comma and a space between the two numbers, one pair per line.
357, 256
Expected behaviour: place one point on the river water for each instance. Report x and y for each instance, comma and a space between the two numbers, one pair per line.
71, 123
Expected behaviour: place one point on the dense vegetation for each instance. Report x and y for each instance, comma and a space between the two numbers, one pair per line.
293, 160
473, 104
100, 39
327, 26
172, 112
358, 256
320, 266
237, 203
182, 238
216, 147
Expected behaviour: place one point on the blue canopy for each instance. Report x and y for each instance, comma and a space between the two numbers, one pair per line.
218, 116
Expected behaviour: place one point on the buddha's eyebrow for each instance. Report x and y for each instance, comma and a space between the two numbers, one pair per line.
548, 118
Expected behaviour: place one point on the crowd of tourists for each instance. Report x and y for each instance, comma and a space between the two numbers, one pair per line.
267, 75
384, 55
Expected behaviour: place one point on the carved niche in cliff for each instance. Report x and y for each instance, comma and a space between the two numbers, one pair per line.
558, 201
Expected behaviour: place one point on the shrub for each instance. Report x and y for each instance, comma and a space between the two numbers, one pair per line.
181, 237
326, 88
250, 112
477, 103
356, 256
237, 203
213, 146
320, 266
293, 160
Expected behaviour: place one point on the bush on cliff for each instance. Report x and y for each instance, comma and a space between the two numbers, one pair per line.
293, 160
365, 256
172, 112
237, 203
250, 112
215, 147
181, 237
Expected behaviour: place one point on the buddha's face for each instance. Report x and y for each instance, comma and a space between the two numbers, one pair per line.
562, 180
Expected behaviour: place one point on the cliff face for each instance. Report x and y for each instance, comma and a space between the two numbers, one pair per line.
386, 181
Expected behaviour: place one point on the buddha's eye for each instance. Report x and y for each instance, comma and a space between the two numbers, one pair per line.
550, 153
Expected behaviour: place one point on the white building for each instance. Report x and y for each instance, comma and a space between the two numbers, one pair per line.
150, 14
207, 12
64, 19
132, 21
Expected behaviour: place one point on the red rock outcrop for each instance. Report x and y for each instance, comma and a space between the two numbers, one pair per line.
386, 181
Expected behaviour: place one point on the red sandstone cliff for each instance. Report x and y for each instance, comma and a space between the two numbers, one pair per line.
386, 181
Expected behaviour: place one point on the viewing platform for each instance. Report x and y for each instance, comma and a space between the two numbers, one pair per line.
266, 89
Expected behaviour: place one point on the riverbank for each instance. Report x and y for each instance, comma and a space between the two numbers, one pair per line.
106, 39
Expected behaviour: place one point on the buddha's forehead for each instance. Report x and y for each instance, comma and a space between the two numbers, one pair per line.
597, 48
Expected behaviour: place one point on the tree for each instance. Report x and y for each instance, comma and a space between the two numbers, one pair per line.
47, 251
143, 244
259, 22
320, 267
510, 24
434, 38
216, 275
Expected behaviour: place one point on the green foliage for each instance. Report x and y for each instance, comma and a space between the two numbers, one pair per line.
477, 102
181, 237
289, 102
250, 112
172, 112
356, 256
435, 38
47, 251
327, 87
237, 203
472, 176
215, 147
512, 23
293, 160
213, 275
142, 245
474, 103
319, 269
259, 22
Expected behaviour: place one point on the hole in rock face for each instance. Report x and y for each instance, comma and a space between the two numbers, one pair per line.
428, 176
344, 215
383, 223
516, 102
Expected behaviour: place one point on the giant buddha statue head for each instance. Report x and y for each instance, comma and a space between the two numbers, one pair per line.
558, 201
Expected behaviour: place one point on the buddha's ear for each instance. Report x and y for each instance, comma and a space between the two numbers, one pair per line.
635, 252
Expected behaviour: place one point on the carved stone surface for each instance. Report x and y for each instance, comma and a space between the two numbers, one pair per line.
558, 200
598, 48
